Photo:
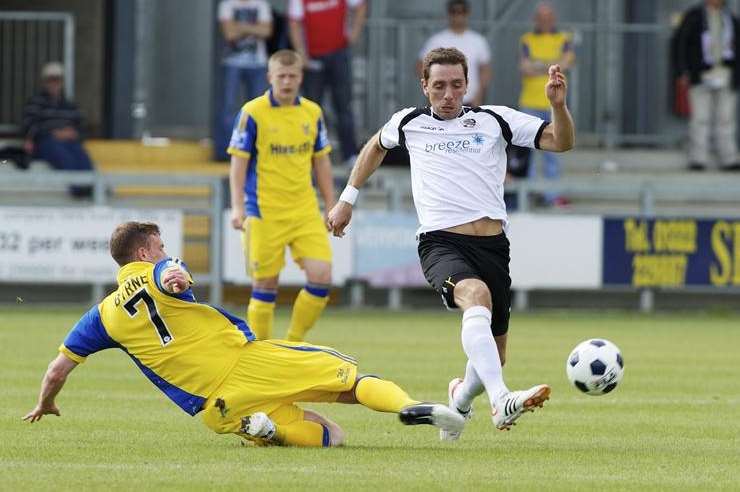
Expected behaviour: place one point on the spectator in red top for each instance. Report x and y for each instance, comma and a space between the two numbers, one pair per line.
318, 31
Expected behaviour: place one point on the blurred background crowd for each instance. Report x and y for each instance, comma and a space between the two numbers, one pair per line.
153, 86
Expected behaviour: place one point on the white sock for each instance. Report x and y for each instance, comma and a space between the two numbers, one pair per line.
471, 387
480, 347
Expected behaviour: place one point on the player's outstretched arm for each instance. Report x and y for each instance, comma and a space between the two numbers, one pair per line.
54, 379
560, 134
368, 161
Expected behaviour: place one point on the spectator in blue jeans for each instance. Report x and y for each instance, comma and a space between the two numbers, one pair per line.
318, 33
52, 126
245, 25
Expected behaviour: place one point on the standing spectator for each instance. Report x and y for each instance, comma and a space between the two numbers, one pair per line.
707, 51
538, 50
471, 43
318, 32
245, 25
52, 125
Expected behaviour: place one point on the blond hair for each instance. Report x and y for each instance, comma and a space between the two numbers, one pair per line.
285, 58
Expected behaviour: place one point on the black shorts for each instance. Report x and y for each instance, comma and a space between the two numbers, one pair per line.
447, 258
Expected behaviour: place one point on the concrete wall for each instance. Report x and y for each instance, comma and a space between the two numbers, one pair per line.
182, 68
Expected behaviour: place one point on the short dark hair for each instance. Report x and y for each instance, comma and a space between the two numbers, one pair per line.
128, 237
451, 4
445, 56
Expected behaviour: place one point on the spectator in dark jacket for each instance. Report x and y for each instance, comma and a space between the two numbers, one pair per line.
707, 56
52, 126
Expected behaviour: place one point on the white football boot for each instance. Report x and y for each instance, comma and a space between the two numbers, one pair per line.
434, 414
258, 425
447, 435
510, 406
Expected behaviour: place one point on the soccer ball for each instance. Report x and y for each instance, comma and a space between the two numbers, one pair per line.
595, 366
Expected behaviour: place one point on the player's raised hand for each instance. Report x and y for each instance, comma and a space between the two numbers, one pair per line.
556, 87
237, 218
338, 218
38, 412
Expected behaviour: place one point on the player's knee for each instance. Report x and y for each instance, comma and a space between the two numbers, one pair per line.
320, 275
265, 283
472, 292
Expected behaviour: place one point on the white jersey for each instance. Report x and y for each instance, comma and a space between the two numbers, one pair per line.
458, 166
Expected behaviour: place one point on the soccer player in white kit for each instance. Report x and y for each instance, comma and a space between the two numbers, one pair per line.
458, 166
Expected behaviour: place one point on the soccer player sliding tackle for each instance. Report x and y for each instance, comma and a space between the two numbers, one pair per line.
458, 167
207, 361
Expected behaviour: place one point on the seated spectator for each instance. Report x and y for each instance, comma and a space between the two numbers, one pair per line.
52, 127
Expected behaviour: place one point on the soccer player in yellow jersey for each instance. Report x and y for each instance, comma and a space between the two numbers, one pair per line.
278, 140
207, 360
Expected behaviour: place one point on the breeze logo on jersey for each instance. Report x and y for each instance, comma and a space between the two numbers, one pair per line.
472, 146
458, 166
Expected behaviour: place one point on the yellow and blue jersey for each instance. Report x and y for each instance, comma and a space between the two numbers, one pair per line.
185, 348
545, 47
280, 143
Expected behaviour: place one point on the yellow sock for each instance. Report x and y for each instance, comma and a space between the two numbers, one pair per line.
381, 395
306, 311
302, 433
260, 315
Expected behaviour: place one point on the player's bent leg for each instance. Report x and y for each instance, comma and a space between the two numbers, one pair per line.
311, 300
261, 309
379, 395
385, 396
477, 339
470, 292
290, 425
336, 434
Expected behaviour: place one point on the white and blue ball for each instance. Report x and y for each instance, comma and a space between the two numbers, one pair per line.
595, 366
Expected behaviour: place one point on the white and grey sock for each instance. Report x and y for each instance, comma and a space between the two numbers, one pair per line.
471, 387
482, 352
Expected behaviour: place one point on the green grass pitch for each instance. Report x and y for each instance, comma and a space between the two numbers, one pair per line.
673, 423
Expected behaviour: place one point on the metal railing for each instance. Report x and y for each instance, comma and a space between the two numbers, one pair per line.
28, 40
390, 188
40, 181
605, 112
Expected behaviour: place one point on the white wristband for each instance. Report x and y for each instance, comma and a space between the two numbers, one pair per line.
349, 194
